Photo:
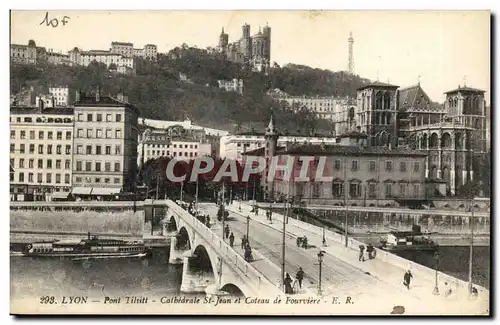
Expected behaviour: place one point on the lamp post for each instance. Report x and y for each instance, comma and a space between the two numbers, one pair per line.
324, 239
320, 260
436, 288
471, 244
248, 227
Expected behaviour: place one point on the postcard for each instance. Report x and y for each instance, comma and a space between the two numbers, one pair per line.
250, 162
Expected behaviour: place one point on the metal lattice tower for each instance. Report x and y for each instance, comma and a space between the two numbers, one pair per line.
351, 54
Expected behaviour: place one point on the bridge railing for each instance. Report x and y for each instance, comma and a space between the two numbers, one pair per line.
392, 259
228, 254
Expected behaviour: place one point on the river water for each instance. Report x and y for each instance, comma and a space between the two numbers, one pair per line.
41, 277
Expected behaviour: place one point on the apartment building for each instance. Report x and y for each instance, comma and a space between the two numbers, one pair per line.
105, 145
60, 95
41, 142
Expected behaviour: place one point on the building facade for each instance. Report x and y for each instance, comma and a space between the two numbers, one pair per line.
254, 50
235, 85
126, 49
105, 145
359, 175
41, 141
24, 54
60, 95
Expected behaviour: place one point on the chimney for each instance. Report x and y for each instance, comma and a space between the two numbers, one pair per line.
98, 94
77, 96
40, 105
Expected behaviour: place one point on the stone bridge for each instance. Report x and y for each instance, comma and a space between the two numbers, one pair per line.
209, 264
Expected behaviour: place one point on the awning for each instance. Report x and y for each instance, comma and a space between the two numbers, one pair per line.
105, 191
60, 195
81, 190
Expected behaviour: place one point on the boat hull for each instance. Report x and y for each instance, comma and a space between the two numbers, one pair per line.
87, 255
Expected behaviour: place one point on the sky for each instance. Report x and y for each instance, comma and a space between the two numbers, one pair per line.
441, 49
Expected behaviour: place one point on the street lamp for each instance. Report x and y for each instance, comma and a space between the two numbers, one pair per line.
320, 260
436, 288
248, 227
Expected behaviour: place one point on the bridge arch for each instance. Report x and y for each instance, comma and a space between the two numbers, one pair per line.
202, 260
233, 290
183, 239
172, 224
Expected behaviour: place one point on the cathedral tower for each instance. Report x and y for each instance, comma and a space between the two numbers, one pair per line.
351, 54
223, 40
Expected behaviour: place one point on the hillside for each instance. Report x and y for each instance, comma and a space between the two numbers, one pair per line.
159, 94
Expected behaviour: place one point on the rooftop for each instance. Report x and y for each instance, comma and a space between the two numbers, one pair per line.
259, 152
414, 98
329, 150
465, 88
378, 84
17, 110
104, 101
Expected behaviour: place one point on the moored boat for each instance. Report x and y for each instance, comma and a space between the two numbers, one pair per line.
92, 247
408, 240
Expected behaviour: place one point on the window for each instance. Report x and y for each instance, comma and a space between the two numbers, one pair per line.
12, 148
49, 149
118, 150
78, 179
79, 133
372, 190
98, 150
23, 135
416, 189
416, 167
373, 166
67, 164
21, 163
30, 163
118, 134
388, 166
66, 178
80, 117
49, 135
402, 166
58, 178
88, 150
59, 135
68, 135
99, 117
97, 179
40, 163
97, 166
89, 117
40, 135
338, 189
108, 133
49, 163
39, 177
118, 117
108, 117
79, 149
12, 135
117, 167
58, 164
79, 166
316, 190
107, 180
68, 150
21, 177
48, 178
32, 135
98, 133
88, 166
354, 189
402, 189
89, 133
354, 165
58, 149
40, 149
107, 166
108, 150
117, 181
337, 164
388, 190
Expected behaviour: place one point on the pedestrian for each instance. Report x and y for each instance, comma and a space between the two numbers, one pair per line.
361, 253
243, 241
227, 231
231, 239
288, 284
474, 292
407, 279
300, 276
447, 290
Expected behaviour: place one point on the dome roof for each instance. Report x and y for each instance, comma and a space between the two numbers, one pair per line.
31, 43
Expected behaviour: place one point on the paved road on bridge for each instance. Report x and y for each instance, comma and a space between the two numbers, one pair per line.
338, 277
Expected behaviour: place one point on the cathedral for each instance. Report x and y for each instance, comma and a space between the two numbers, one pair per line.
254, 50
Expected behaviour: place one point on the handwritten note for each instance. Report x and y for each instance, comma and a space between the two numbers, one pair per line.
54, 22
